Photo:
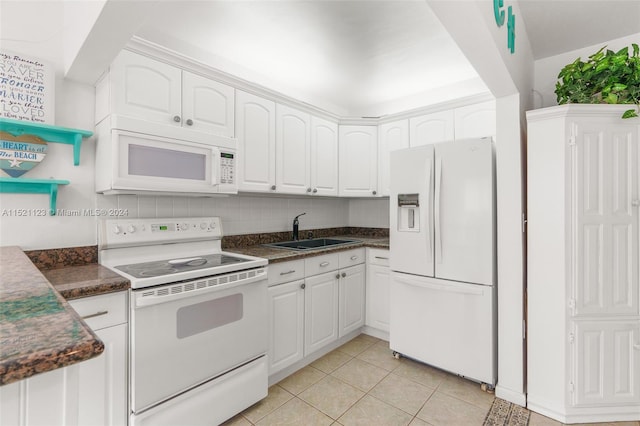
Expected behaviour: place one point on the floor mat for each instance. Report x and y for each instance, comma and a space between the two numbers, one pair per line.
504, 413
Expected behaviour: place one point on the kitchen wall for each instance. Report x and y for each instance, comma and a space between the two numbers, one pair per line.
547, 69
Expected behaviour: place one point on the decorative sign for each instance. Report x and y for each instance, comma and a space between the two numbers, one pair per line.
19, 154
26, 88
511, 23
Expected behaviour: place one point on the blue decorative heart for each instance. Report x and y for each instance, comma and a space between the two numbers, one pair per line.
19, 154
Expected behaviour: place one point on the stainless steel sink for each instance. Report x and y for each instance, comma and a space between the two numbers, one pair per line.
313, 244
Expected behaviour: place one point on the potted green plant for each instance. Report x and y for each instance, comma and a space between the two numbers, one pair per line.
606, 77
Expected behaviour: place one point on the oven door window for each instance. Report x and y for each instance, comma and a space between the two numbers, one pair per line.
203, 316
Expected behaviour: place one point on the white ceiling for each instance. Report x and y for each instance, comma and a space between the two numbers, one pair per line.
556, 27
346, 56
358, 58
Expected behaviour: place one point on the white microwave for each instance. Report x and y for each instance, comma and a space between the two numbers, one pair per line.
133, 162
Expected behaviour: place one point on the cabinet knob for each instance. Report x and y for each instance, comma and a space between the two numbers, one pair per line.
273, 187
374, 192
303, 286
308, 189
337, 276
176, 118
344, 274
315, 190
189, 122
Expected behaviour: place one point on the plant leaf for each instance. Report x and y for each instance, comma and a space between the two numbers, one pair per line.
630, 113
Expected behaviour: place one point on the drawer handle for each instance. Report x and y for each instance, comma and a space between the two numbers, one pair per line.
288, 272
97, 314
383, 258
354, 257
323, 264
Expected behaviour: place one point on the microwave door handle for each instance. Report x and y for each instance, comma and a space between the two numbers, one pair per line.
215, 166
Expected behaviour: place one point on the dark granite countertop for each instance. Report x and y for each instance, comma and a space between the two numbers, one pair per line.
74, 282
275, 255
39, 331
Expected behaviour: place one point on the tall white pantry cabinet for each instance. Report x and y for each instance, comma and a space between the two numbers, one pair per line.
583, 355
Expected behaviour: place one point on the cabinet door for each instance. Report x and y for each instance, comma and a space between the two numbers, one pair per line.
103, 381
391, 137
431, 128
207, 105
320, 311
475, 121
256, 133
377, 293
607, 363
49, 399
293, 151
146, 88
358, 162
324, 157
607, 194
352, 288
286, 324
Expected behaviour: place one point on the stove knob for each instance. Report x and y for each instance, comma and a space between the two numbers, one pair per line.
131, 229
212, 225
203, 226
184, 227
116, 229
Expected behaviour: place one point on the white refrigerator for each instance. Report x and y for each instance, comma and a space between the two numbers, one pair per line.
443, 257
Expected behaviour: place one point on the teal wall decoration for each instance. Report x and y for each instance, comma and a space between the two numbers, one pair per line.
498, 12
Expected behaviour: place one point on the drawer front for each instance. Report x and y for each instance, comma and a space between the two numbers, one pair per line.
102, 311
286, 271
352, 257
378, 257
320, 264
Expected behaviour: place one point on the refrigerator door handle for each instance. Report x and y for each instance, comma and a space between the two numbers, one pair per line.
438, 230
468, 289
426, 211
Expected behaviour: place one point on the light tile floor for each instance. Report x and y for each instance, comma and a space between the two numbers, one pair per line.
361, 383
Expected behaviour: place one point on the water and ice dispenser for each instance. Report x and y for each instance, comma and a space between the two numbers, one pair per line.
409, 212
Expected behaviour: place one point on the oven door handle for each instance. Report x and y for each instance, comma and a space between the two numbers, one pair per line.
172, 292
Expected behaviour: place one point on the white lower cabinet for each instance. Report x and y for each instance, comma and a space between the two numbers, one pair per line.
320, 311
351, 302
49, 399
92, 392
306, 315
606, 361
286, 323
377, 291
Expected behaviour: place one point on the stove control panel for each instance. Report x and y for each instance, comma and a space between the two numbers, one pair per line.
125, 232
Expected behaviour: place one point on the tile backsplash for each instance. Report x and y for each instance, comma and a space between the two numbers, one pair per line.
248, 214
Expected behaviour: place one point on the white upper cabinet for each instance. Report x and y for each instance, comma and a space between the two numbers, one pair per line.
256, 133
151, 90
324, 157
475, 121
358, 161
293, 151
207, 105
431, 128
391, 137
146, 88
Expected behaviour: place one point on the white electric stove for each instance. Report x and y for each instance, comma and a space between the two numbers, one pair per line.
198, 323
